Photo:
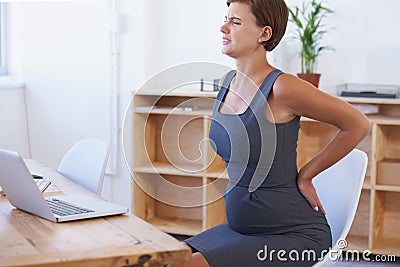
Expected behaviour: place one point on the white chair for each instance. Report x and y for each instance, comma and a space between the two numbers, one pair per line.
85, 164
339, 188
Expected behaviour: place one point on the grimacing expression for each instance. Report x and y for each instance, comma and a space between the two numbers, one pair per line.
240, 32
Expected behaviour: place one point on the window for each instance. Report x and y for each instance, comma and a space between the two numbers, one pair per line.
3, 66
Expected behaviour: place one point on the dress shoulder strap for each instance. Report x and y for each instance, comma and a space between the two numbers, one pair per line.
225, 84
266, 86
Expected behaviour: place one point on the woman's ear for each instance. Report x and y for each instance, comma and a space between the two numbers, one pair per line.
266, 34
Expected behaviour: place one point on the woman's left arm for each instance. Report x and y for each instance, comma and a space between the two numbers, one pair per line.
301, 98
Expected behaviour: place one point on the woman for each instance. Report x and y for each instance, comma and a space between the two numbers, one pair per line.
274, 215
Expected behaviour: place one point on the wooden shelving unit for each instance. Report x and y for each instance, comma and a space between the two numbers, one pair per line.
171, 150
378, 213
179, 180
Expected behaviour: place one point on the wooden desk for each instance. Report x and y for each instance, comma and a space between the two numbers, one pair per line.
123, 240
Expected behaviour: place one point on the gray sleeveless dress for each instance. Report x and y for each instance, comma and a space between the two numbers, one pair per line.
270, 223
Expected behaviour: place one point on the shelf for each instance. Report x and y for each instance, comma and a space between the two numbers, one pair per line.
388, 142
367, 182
177, 225
218, 175
215, 189
216, 167
379, 119
359, 231
215, 202
172, 203
386, 235
370, 100
172, 140
179, 92
181, 111
390, 188
165, 168
385, 120
387, 246
359, 243
388, 173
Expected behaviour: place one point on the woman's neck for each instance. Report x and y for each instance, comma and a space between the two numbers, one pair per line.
253, 68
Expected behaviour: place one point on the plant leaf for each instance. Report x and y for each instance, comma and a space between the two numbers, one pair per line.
310, 30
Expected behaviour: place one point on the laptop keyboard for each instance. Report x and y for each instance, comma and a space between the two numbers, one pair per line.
42, 184
63, 208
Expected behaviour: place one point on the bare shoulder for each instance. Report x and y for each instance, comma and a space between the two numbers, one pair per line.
302, 98
289, 88
299, 97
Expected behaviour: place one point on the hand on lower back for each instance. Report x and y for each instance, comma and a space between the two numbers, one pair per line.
307, 189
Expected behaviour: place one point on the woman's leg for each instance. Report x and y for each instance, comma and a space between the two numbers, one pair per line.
197, 260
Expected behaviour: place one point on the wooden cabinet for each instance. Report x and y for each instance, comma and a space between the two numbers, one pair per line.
378, 213
179, 180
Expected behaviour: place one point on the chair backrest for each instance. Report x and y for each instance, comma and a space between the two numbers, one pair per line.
85, 164
339, 188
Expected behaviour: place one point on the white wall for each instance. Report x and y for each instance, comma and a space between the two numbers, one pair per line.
13, 120
66, 68
364, 36
185, 31
62, 52
66, 71
366, 43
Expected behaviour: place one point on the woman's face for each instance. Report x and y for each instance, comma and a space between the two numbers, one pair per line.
240, 33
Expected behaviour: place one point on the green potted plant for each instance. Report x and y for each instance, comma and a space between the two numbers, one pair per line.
310, 31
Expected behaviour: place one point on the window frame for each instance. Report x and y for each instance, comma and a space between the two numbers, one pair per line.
3, 47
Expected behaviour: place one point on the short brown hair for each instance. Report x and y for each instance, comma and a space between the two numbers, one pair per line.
273, 13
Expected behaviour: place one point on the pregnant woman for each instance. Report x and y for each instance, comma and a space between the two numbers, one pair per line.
274, 215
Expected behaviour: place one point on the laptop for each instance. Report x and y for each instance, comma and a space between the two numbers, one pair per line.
39, 180
24, 194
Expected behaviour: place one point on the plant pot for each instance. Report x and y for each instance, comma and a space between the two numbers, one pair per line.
312, 78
